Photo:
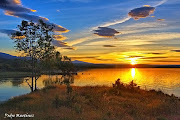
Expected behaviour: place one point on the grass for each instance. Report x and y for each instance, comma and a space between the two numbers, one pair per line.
14, 74
95, 103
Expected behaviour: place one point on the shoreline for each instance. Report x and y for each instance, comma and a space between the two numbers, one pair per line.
108, 102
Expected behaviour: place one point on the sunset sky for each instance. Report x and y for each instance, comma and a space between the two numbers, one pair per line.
120, 38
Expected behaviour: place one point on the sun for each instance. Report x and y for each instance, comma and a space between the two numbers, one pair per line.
133, 61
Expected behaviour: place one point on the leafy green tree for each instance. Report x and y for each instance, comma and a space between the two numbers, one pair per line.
34, 40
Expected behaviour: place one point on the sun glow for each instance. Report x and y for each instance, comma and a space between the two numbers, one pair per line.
133, 61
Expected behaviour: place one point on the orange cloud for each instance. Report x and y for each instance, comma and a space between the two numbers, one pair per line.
59, 37
34, 18
14, 6
17, 2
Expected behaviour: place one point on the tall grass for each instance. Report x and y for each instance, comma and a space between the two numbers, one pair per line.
95, 103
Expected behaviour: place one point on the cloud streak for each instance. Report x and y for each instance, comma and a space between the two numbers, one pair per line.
16, 9
109, 46
56, 42
154, 57
115, 22
62, 44
14, 6
175, 50
36, 19
160, 3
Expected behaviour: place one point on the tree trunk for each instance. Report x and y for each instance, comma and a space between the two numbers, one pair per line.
35, 85
36, 76
32, 86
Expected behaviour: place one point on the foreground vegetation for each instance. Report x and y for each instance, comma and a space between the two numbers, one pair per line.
95, 103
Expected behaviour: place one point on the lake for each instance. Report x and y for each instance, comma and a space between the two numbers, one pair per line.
165, 79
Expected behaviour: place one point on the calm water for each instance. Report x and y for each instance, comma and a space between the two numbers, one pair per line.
166, 79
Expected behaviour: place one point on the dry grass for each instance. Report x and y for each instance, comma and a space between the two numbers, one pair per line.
95, 103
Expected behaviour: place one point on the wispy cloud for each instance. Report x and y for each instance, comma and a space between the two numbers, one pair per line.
59, 37
154, 57
155, 53
138, 39
175, 50
36, 19
166, 61
62, 44
16, 9
109, 46
80, 40
14, 6
160, 3
115, 22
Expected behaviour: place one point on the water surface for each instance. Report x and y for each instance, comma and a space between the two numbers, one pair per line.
165, 79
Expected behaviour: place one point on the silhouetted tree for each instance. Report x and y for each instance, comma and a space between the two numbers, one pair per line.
58, 64
34, 40
64, 64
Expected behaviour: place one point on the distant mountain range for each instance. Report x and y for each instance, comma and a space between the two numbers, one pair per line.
91, 65
80, 62
7, 56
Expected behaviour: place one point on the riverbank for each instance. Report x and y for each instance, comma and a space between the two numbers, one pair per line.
94, 103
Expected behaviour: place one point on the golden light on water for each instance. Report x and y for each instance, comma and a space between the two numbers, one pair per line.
133, 72
144, 77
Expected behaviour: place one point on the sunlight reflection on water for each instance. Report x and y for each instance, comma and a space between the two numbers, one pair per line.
133, 72
166, 79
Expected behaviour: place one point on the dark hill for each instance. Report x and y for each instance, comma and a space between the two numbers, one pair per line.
7, 56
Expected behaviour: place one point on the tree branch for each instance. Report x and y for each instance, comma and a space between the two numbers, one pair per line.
28, 83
